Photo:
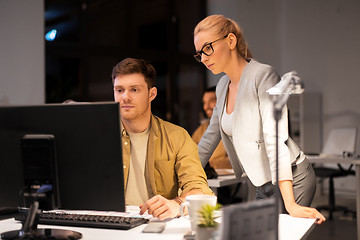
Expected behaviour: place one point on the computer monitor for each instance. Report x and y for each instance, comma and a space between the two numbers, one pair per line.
254, 220
87, 144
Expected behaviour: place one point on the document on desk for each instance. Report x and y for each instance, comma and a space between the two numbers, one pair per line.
295, 228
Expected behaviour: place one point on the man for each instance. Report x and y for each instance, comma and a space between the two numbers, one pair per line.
159, 158
219, 159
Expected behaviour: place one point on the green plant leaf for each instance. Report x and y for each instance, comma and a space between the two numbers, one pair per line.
207, 215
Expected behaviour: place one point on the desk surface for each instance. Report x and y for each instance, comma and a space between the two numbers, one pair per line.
332, 159
289, 228
224, 181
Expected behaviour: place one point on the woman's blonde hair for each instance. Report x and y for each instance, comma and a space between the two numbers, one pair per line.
222, 26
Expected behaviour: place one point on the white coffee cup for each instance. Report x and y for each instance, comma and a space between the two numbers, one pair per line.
194, 203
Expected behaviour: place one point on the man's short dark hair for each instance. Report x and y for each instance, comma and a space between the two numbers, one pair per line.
133, 65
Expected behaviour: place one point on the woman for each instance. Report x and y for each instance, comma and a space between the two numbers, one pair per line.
243, 119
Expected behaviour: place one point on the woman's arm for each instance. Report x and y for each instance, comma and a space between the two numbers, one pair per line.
294, 209
211, 138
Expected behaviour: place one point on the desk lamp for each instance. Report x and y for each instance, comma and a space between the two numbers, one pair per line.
290, 83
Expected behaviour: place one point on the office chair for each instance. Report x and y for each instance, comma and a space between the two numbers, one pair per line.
340, 142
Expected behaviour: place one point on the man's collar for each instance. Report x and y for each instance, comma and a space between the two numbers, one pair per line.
124, 132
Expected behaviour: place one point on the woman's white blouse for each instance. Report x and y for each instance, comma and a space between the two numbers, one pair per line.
227, 122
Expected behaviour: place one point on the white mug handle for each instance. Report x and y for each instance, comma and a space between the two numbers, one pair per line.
184, 204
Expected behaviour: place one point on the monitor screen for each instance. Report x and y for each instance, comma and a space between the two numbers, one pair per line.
86, 141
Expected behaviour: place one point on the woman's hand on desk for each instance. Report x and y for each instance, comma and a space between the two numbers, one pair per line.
306, 212
294, 209
160, 207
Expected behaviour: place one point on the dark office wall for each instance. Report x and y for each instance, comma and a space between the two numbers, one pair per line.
94, 35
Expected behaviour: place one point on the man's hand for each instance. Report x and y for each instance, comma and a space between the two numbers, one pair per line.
160, 207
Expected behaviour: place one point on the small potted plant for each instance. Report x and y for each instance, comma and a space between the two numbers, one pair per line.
207, 225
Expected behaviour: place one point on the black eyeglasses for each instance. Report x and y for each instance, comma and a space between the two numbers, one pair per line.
207, 49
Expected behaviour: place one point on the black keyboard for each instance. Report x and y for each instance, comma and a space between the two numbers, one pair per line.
87, 220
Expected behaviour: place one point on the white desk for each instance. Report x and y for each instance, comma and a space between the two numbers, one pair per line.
227, 180
356, 162
290, 228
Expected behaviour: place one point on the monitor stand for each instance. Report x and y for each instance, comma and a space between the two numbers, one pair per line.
29, 229
46, 233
